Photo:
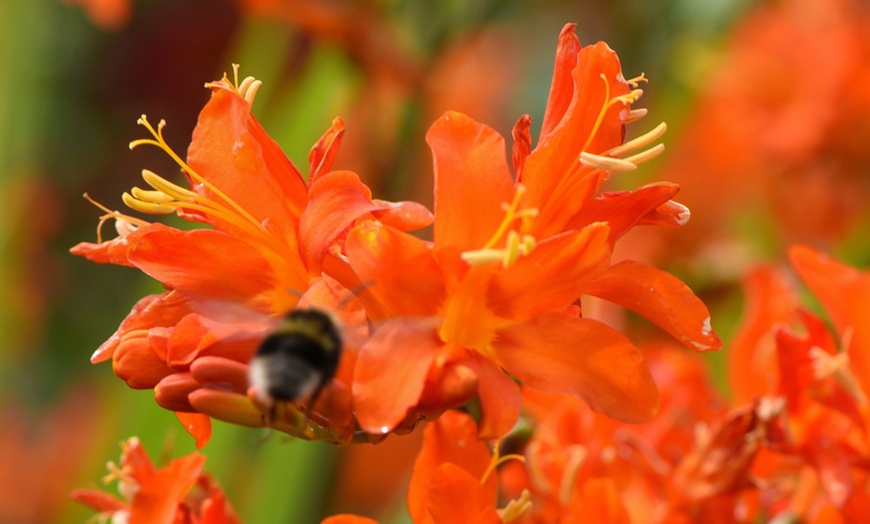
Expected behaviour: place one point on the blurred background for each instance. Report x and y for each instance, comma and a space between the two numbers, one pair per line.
769, 126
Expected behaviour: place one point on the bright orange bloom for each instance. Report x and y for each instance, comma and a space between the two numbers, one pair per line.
822, 377
273, 234
496, 293
780, 126
176, 494
107, 14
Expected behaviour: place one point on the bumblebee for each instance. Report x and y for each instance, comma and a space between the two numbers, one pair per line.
297, 360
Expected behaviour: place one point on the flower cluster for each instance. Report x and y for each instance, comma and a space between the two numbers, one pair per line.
177, 493
492, 300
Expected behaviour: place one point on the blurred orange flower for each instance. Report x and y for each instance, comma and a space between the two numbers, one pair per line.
176, 494
780, 127
495, 293
272, 237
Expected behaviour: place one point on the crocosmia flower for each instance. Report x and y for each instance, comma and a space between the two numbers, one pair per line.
494, 298
178, 493
272, 236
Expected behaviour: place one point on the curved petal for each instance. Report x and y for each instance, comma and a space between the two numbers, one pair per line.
452, 438
203, 263
198, 426
157, 499
472, 180
500, 398
562, 86
231, 150
660, 297
623, 209
404, 277
137, 360
565, 354
391, 371
162, 310
325, 150
113, 251
771, 299
336, 200
552, 276
404, 216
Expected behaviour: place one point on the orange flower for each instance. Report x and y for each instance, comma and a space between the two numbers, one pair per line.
493, 294
454, 477
822, 377
272, 236
176, 494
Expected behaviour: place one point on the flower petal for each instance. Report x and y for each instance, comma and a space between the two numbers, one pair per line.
336, 200
324, 151
457, 496
500, 398
562, 86
566, 354
623, 209
771, 299
553, 276
472, 180
660, 297
391, 371
113, 251
452, 438
197, 425
405, 279
197, 263
346, 518
233, 152
157, 499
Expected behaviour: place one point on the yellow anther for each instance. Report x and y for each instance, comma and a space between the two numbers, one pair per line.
146, 207
517, 508
645, 156
512, 249
636, 114
165, 186
611, 165
156, 197
640, 142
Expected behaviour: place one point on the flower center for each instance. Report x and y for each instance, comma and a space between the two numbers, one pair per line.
837, 367
516, 245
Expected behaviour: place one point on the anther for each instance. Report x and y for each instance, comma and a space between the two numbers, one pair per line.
611, 165
156, 197
146, 207
165, 186
640, 142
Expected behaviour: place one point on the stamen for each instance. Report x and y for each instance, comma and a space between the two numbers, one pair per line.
611, 165
517, 509
496, 460
165, 186
646, 156
160, 142
636, 114
515, 245
157, 197
146, 207
124, 224
640, 142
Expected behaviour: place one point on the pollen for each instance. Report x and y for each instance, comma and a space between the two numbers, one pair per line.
515, 244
